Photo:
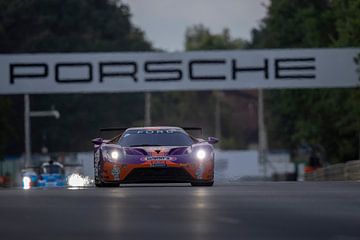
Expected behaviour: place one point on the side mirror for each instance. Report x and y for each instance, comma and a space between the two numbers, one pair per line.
212, 140
97, 141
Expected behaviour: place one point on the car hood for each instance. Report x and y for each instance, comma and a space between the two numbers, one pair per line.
157, 150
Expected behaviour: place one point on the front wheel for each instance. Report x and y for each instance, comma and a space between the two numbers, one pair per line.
202, 184
99, 183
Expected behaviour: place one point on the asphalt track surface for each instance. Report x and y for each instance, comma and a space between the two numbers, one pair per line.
246, 210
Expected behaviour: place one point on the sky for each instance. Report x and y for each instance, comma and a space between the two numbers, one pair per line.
165, 21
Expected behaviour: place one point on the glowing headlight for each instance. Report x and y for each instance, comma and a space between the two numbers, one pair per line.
26, 182
201, 154
115, 155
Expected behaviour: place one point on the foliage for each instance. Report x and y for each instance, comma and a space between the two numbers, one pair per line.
295, 24
5, 125
184, 109
198, 37
316, 116
347, 22
68, 26
198, 108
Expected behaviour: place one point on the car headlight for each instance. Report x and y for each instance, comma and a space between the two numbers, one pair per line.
115, 155
201, 154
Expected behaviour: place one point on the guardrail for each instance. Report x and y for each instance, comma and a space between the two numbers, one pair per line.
349, 171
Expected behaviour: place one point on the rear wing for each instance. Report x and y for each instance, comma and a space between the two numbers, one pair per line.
115, 132
194, 130
112, 129
119, 129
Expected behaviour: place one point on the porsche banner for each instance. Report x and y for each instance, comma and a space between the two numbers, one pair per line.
179, 71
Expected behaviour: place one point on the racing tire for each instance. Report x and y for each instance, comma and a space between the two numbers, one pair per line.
202, 184
102, 184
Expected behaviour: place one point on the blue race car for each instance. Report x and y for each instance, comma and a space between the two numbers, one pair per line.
50, 174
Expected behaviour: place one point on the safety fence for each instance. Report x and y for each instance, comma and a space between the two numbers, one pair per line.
349, 171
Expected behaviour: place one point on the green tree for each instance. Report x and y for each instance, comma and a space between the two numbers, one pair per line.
33, 26
295, 24
198, 37
328, 117
67, 26
198, 108
347, 22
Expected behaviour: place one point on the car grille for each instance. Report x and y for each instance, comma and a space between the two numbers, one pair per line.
158, 175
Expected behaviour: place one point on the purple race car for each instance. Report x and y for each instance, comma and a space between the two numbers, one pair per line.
153, 155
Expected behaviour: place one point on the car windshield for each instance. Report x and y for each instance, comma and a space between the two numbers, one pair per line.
163, 137
52, 169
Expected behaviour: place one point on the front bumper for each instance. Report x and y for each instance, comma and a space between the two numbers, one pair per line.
147, 173
158, 175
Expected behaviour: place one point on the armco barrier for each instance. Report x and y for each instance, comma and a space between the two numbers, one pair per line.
352, 170
335, 172
349, 171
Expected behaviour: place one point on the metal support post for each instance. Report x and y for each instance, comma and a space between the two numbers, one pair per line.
147, 109
262, 135
27, 127
218, 96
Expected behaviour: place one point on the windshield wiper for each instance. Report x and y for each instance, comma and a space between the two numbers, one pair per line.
145, 145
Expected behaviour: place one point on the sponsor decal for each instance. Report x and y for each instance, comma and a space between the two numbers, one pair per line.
158, 158
165, 71
116, 172
158, 164
188, 71
199, 171
147, 131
